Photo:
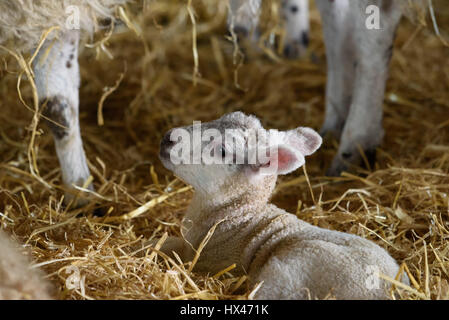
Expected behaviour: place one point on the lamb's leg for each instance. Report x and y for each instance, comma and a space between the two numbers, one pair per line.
57, 80
170, 245
363, 127
243, 17
341, 60
178, 245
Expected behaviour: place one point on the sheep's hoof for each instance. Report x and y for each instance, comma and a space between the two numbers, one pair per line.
240, 32
74, 198
332, 129
99, 212
95, 209
73, 202
337, 167
77, 202
348, 161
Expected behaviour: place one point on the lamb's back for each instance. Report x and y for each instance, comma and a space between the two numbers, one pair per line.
308, 261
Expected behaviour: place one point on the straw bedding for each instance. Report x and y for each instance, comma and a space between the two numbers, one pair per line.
22, 21
180, 69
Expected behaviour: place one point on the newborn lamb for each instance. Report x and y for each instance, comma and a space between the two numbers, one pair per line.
292, 258
17, 280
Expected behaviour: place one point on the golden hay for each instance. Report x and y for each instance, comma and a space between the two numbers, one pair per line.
402, 204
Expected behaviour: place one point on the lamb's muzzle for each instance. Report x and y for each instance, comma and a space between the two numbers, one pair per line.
165, 146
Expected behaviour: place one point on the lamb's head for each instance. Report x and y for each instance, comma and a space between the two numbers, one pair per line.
235, 154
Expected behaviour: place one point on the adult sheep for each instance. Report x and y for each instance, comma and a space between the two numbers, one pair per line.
358, 56
55, 67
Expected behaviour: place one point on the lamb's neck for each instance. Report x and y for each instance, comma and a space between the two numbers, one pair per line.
216, 208
234, 204
231, 214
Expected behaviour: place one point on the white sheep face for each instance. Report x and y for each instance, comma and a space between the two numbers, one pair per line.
234, 148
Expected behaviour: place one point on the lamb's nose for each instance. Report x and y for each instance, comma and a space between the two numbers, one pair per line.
166, 141
166, 145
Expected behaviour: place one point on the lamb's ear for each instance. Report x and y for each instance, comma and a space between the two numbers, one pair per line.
281, 159
305, 140
288, 160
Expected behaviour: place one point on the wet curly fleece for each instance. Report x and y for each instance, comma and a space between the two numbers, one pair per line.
17, 279
22, 22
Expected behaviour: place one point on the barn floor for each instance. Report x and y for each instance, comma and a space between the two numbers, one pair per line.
402, 204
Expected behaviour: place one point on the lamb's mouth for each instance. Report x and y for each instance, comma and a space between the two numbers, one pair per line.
165, 149
164, 154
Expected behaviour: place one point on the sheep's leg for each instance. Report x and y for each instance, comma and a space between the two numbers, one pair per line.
296, 17
57, 80
373, 48
340, 64
243, 17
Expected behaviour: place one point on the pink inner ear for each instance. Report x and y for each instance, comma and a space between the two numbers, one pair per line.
281, 161
285, 160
